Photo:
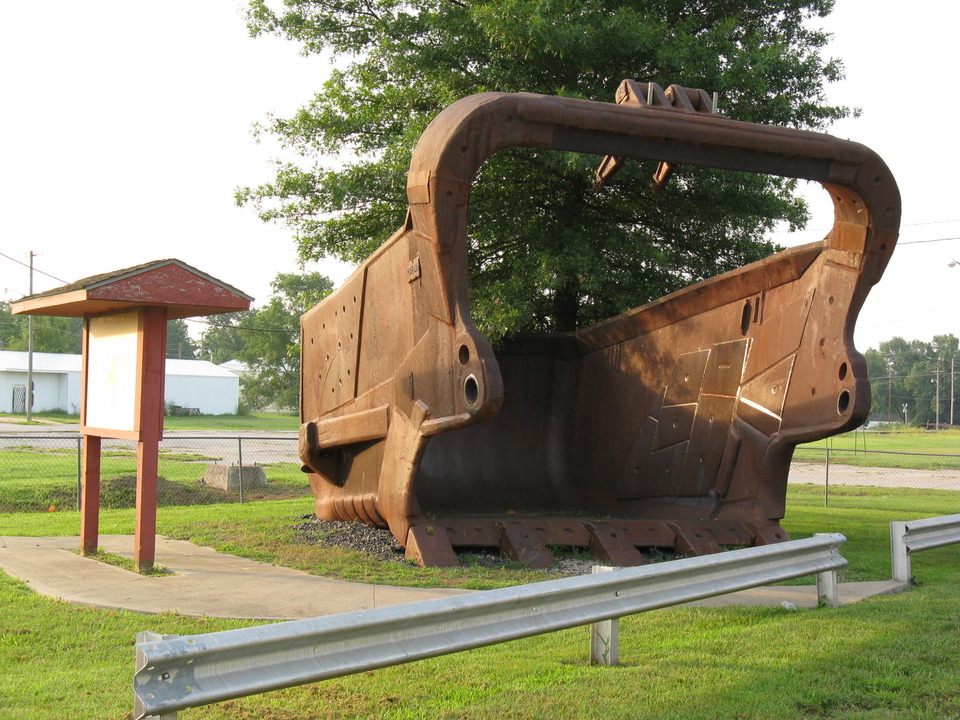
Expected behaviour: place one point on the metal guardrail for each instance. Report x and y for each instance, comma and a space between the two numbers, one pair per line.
914, 535
178, 672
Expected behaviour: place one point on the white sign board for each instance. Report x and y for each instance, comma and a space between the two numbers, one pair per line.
112, 365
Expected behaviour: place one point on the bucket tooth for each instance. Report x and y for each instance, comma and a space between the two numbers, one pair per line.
612, 545
768, 534
523, 544
429, 546
694, 540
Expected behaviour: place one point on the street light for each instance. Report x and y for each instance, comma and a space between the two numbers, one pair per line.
953, 263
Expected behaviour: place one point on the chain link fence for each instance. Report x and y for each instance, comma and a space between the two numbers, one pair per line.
828, 467
39, 472
42, 471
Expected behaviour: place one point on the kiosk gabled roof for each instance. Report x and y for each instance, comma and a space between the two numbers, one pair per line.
181, 288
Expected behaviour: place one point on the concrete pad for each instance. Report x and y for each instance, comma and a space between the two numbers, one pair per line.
803, 596
213, 584
206, 583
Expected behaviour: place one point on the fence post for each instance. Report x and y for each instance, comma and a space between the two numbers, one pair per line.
604, 635
899, 557
240, 468
826, 478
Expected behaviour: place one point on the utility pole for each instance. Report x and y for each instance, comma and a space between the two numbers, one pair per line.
889, 396
936, 376
952, 360
30, 351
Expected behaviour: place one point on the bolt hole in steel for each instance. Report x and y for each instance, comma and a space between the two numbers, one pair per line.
745, 318
843, 402
843, 371
471, 390
464, 354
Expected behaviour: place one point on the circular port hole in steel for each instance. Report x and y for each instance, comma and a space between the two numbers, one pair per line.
471, 390
464, 354
843, 371
843, 402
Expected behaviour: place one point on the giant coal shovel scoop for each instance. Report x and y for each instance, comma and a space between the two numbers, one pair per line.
671, 425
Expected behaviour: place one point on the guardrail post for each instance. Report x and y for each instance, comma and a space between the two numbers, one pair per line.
899, 555
828, 589
604, 635
150, 636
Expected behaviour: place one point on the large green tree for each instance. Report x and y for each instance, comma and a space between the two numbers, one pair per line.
179, 343
267, 340
50, 334
547, 251
915, 374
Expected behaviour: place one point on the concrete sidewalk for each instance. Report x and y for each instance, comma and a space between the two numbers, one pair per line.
206, 583
213, 584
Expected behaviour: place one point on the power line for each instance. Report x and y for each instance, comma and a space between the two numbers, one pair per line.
20, 262
918, 242
903, 225
245, 329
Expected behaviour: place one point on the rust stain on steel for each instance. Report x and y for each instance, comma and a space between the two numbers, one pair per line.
671, 425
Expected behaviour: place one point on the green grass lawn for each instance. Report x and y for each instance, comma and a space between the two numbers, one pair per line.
888, 657
226, 423
915, 449
904, 441
35, 479
232, 423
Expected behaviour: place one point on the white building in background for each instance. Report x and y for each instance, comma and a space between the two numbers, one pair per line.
194, 384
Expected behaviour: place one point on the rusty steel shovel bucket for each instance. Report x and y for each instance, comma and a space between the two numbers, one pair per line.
671, 425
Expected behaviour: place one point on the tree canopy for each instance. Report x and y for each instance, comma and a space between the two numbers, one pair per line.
267, 340
909, 377
547, 251
50, 334
179, 343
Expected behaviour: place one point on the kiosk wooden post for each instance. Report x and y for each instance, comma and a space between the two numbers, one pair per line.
124, 348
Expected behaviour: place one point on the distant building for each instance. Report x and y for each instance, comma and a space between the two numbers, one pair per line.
194, 384
237, 367
242, 370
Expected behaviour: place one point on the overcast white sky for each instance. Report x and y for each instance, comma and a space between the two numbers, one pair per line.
125, 128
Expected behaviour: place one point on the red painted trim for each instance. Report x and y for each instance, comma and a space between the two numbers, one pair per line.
110, 433
168, 285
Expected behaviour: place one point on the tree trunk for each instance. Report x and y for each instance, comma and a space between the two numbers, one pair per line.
566, 306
